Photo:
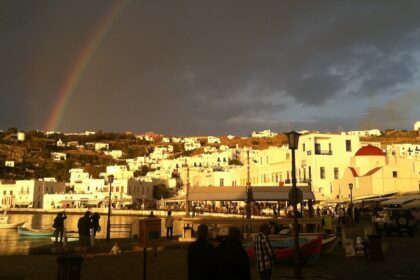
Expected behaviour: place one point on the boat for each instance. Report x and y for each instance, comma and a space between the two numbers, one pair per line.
309, 248
35, 232
329, 240
4, 223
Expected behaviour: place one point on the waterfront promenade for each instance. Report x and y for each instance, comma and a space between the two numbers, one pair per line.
401, 261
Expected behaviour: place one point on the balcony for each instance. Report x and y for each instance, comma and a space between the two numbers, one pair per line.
323, 152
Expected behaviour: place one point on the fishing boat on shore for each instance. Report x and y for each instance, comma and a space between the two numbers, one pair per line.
329, 240
4, 222
35, 232
309, 248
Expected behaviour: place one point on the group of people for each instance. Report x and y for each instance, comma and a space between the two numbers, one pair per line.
89, 222
229, 259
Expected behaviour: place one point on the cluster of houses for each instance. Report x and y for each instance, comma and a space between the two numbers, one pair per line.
335, 166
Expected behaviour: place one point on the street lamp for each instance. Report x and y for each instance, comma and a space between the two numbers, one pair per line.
351, 194
293, 138
108, 225
351, 202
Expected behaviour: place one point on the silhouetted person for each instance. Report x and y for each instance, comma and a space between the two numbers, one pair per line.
84, 225
95, 223
59, 225
201, 258
356, 215
169, 224
232, 259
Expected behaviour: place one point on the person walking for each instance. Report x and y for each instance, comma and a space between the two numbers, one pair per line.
59, 226
169, 224
84, 225
201, 257
232, 259
264, 253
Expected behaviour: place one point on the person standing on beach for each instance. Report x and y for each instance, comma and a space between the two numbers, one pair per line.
232, 259
264, 253
59, 225
201, 257
169, 224
84, 225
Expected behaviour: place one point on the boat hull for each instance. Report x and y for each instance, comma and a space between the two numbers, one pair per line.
11, 226
35, 233
309, 249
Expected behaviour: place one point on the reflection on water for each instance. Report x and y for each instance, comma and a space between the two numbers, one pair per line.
13, 243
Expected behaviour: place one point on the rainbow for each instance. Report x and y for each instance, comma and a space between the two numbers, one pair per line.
78, 68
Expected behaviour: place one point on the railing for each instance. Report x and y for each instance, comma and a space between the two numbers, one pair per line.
127, 228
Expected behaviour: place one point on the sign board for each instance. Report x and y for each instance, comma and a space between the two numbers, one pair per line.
294, 199
149, 232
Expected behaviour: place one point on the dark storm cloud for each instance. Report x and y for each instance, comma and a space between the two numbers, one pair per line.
394, 113
210, 67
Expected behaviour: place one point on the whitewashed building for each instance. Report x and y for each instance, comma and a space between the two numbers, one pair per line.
373, 173
27, 193
213, 140
263, 134
417, 126
322, 158
101, 146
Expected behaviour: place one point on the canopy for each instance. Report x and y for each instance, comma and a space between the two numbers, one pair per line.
400, 200
239, 193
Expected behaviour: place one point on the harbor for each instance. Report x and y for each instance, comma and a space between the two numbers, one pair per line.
400, 262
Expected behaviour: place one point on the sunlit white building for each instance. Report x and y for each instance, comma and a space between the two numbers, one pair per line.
373, 173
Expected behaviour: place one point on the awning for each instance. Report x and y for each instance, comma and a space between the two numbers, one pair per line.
239, 193
400, 200
217, 193
279, 193
412, 204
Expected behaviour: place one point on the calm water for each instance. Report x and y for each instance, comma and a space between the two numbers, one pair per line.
13, 243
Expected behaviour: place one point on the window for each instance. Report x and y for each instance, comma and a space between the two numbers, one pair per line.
322, 172
317, 148
394, 174
348, 145
11, 192
234, 183
336, 175
303, 147
222, 182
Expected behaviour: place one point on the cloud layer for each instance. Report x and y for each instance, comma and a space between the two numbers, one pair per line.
213, 67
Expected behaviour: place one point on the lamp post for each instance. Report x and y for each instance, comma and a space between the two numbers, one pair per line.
351, 194
293, 138
248, 190
187, 191
108, 225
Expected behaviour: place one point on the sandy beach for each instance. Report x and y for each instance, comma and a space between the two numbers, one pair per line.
401, 261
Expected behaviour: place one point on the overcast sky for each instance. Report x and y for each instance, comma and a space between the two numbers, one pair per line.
213, 67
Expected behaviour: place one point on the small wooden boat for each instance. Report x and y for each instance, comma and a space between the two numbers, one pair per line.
35, 232
4, 223
309, 248
329, 241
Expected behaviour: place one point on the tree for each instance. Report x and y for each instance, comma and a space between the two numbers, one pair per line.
160, 191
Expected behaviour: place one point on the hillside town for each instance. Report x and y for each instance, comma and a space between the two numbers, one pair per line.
373, 162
